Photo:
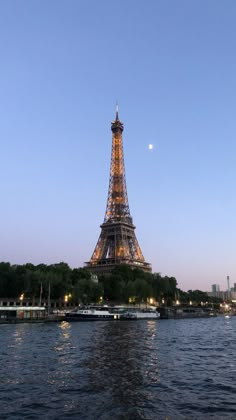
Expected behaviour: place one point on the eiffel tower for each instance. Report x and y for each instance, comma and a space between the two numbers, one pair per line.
117, 243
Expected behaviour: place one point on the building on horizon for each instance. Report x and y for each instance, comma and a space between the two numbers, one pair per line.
217, 293
117, 243
215, 288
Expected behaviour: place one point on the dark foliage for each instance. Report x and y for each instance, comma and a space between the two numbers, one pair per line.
122, 285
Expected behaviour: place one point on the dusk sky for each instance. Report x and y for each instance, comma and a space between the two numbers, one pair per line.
172, 67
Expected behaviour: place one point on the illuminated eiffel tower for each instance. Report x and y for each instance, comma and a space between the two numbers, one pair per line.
117, 243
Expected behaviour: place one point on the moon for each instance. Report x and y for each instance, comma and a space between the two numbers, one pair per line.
150, 146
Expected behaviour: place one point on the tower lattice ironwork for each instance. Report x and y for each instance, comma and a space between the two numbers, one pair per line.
117, 243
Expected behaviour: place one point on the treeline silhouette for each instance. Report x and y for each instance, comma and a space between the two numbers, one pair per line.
122, 284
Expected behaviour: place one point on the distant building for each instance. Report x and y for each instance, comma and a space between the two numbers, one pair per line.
228, 295
215, 288
233, 295
215, 292
220, 295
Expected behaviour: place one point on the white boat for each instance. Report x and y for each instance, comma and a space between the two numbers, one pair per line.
93, 313
106, 313
141, 314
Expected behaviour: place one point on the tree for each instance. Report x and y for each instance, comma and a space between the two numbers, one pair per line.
123, 283
142, 289
79, 273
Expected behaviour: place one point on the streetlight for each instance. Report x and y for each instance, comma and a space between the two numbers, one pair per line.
67, 297
21, 313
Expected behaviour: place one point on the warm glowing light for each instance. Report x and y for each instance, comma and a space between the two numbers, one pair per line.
177, 302
21, 297
132, 299
190, 303
151, 301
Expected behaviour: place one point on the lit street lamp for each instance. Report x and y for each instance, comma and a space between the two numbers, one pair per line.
21, 298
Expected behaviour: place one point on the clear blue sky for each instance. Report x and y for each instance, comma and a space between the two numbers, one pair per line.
172, 67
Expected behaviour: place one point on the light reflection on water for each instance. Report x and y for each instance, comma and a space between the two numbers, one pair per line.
120, 370
64, 344
18, 336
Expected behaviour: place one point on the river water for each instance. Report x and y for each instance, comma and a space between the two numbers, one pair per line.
175, 369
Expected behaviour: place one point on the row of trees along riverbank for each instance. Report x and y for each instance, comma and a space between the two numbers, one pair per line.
124, 284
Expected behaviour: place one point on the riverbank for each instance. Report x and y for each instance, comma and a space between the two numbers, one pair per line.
37, 315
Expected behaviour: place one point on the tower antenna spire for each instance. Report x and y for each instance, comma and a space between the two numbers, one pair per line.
117, 110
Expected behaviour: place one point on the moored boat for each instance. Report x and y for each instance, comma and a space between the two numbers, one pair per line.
106, 313
141, 314
92, 313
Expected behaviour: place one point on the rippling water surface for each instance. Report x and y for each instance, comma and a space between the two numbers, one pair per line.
175, 369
